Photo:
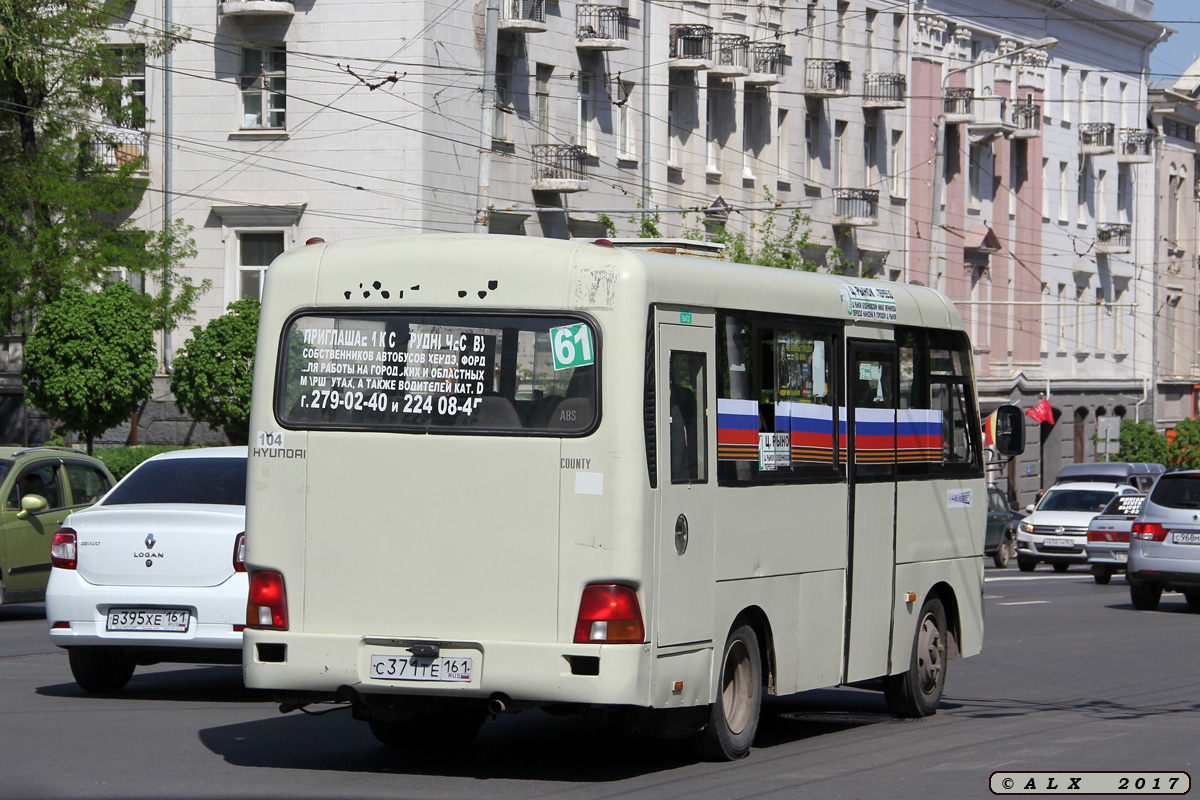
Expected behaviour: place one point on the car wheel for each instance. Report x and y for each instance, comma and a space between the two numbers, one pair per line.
1061, 567
1102, 576
733, 718
1193, 599
1145, 596
1026, 564
100, 669
1004, 553
918, 691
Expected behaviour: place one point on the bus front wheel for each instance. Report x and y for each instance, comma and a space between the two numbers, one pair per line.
918, 691
733, 718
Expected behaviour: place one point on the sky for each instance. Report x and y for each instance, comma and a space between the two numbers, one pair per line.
1183, 48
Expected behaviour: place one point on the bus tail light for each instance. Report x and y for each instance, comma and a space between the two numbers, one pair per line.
62, 549
609, 614
1149, 531
267, 607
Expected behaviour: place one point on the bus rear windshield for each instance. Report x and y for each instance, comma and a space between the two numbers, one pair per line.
444, 372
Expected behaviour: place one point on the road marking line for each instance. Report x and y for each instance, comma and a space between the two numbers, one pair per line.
1077, 577
1024, 603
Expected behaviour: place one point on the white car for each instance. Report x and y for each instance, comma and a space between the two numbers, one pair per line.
1056, 531
155, 571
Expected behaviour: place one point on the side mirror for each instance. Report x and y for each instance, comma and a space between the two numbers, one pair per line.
1029, 508
1010, 431
31, 503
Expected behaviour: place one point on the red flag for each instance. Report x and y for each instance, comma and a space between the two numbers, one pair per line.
1041, 411
989, 429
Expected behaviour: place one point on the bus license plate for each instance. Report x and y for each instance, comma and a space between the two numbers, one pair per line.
157, 620
1187, 538
1058, 543
421, 668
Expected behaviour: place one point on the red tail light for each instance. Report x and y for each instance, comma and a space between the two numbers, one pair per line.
1149, 531
267, 607
1108, 536
62, 549
239, 553
609, 614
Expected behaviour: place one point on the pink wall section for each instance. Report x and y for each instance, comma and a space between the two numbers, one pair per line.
923, 130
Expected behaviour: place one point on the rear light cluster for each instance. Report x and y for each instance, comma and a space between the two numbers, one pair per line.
609, 614
1108, 536
62, 549
267, 606
1149, 531
239, 553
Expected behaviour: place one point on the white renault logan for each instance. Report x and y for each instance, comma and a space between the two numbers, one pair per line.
155, 570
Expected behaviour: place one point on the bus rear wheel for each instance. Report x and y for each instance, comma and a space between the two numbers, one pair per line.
918, 691
733, 718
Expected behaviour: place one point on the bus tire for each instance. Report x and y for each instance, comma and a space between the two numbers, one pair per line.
100, 669
917, 692
733, 718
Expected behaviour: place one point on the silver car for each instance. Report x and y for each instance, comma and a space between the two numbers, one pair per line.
1108, 536
1164, 546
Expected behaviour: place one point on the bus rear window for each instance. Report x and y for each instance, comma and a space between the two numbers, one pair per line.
453, 373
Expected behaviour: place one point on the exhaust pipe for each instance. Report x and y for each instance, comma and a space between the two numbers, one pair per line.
498, 704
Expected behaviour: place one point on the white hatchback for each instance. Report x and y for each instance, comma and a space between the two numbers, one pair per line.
155, 571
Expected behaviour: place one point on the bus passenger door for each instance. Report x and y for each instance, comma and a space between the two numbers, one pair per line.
685, 544
873, 387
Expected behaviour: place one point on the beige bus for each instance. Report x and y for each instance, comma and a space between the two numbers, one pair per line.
493, 473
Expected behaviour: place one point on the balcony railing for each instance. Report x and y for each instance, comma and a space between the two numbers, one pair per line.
1136, 144
691, 46
884, 90
1113, 237
119, 148
731, 54
958, 104
601, 27
1097, 138
856, 206
826, 77
766, 62
523, 15
255, 8
559, 168
991, 119
1027, 116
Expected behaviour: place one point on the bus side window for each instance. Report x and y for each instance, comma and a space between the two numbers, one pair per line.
688, 398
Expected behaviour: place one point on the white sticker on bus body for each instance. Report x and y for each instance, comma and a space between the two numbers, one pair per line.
589, 483
958, 498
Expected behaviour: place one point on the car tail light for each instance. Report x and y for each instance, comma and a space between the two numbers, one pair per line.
62, 549
609, 614
1108, 536
1149, 531
267, 606
239, 553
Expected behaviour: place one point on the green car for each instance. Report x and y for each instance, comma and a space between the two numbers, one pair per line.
999, 540
40, 486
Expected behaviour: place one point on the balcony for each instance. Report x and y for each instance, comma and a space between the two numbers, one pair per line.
855, 207
1112, 237
523, 16
121, 147
884, 90
1027, 116
601, 28
255, 8
691, 47
732, 56
766, 63
559, 168
991, 120
958, 105
826, 77
1096, 138
1135, 146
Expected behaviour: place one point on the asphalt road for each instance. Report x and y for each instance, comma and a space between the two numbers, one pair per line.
1071, 678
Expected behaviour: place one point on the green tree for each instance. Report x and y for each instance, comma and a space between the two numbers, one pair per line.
71, 156
90, 359
214, 370
1139, 442
1183, 449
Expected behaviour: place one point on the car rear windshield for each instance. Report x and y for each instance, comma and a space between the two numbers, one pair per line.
519, 374
1177, 491
204, 481
1093, 500
1125, 505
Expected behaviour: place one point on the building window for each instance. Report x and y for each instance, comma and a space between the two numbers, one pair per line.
127, 72
626, 131
1045, 188
583, 127
264, 87
812, 153
1083, 178
975, 174
843, 9
1064, 176
256, 251
1174, 191
898, 165
1102, 195
1084, 100
782, 168
870, 158
541, 104
756, 109
502, 110
1104, 99
837, 154
1123, 209
1064, 94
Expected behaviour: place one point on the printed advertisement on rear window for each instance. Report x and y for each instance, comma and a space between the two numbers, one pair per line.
458, 372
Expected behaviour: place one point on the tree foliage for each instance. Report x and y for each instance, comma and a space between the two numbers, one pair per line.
1140, 443
90, 360
214, 370
72, 161
1183, 448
